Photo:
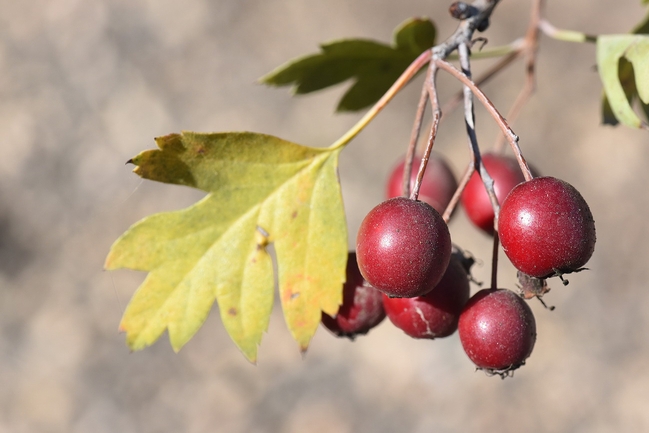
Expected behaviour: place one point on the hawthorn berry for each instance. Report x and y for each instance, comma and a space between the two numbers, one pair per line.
403, 247
546, 228
497, 330
506, 174
362, 306
437, 186
435, 314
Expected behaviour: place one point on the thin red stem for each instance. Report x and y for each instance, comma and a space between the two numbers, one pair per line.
431, 89
455, 101
500, 120
470, 169
494, 261
414, 138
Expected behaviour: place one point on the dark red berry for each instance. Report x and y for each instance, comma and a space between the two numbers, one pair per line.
505, 172
403, 247
437, 186
497, 330
435, 314
546, 228
362, 307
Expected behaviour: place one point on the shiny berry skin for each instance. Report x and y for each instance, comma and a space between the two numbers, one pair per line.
437, 186
403, 247
362, 307
505, 172
435, 314
546, 228
497, 330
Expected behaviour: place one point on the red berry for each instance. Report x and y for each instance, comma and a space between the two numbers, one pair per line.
362, 307
403, 247
437, 186
546, 228
435, 314
505, 172
497, 330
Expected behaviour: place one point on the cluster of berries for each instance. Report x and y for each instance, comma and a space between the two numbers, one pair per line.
406, 267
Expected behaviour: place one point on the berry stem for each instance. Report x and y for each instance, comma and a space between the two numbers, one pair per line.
458, 192
500, 120
494, 261
414, 138
431, 89
455, 101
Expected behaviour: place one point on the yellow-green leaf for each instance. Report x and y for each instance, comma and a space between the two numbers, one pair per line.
610, 50
262, 191
626, 55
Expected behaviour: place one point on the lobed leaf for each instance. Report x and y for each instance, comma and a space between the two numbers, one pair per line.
262, 191
374, 66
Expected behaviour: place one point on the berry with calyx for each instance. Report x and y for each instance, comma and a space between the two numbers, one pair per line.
437, 186
497, 330
506, 174
403, 247
546, 228
362, 307
435, 314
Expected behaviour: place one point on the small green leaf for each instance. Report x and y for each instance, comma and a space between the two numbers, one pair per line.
373, 65
612, 50
261, 191
642, 28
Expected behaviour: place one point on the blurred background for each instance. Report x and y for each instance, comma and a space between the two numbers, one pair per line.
86, 84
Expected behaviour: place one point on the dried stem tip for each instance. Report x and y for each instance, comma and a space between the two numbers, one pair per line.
462, 11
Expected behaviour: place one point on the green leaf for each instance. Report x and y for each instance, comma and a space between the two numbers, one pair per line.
262, 191
642, 28
374, 66
624, 53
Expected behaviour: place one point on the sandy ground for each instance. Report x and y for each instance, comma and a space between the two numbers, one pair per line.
85, 85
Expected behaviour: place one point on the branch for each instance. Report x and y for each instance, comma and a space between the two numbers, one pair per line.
469, 120
530, 49
478, 19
